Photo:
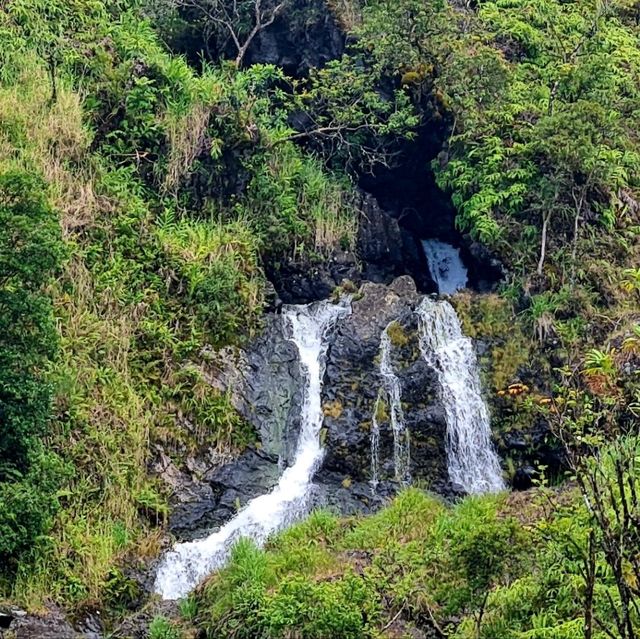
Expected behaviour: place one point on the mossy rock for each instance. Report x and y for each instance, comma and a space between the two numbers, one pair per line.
397, 335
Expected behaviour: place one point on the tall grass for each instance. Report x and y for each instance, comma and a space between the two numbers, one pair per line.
126, 325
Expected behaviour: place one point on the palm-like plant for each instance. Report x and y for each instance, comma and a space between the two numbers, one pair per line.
599, 362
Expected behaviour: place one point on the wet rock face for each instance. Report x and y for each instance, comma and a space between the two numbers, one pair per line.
353, 383
264, 384
387, 249
313, 280
204, 503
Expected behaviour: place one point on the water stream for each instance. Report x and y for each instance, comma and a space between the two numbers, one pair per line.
472, 461
184, 567
393, 390
446, 266
375, 443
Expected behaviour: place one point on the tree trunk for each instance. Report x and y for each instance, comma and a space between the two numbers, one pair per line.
52, 79
590, 582
543, 242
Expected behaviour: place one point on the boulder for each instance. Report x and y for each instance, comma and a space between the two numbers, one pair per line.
17, 624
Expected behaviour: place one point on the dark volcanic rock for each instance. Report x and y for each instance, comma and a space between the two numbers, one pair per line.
265, 387
213, 500
313, 280
388, 249
339, 494
379, 242
306, 36
354, 382
16, 624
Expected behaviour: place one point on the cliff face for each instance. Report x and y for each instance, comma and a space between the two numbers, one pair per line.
306, 36
355, 393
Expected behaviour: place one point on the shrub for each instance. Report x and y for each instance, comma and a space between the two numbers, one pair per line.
162, 628
30, 254
27, 505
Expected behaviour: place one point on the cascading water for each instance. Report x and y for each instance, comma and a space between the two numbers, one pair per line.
472, 460
401, 450
184, 567
445, 266
375, 445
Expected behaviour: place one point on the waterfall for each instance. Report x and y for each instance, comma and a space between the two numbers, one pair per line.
445, 266
184, 567
401, 451
472, 460
375, 444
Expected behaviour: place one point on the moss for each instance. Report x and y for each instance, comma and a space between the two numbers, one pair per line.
397, 335
333, 409
493, 320
411, 77
381, 411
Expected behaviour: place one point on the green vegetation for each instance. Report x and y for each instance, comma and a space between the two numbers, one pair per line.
140, 158
30, 256
523, 566
491, 567
142, 197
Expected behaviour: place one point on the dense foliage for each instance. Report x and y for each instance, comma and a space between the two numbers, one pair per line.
146, 162
490, 567
142, 195
30, 256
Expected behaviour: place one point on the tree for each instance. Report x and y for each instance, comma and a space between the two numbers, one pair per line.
485, 556
234, 21
605, 461
345, 111
30, 254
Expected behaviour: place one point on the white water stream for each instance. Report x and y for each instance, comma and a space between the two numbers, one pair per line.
184, 567
375, 444
445, 266
393, 390
472, 460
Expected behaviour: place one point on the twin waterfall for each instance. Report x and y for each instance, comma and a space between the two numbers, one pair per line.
472, 461
183, 568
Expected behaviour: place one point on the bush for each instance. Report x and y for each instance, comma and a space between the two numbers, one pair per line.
30, 254
27, 506
162, 628
345, 608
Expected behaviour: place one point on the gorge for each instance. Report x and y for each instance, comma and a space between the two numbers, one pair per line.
319, 319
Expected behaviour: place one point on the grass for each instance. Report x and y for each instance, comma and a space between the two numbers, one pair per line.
147, 284
400, 559
418, 563
125, 329
347, 12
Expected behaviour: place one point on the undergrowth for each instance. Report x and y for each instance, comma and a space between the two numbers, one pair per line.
160, 261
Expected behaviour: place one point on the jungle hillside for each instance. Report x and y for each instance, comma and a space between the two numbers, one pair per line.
176, 175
